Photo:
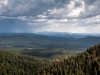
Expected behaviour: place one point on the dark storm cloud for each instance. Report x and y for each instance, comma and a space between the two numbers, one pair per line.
60, 3
13, 25
91, 8
30, 7
89, 2
15, 8
77, 4
41, 15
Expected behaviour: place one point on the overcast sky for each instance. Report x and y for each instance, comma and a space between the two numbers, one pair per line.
29, 16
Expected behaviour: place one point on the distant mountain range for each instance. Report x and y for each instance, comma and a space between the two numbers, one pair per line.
54, 34
66, 34
69, 42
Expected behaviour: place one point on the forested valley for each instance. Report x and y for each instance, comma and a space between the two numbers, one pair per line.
30, 54
85, 63
49, 37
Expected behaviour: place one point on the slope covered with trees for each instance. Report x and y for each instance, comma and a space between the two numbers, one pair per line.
12, 64
86, 63
45, 46
47, 42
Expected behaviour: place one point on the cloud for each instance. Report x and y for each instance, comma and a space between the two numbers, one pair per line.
90, 9
89, 2
50, 9
14, 25
78, 4
49, 15
28, 8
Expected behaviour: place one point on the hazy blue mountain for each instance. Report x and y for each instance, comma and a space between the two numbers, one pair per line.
50, 42
64, 34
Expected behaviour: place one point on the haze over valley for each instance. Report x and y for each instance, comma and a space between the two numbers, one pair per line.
49, 37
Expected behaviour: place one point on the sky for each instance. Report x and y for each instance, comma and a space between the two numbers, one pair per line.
32, 16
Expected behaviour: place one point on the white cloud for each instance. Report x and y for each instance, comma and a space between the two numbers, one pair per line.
3, 2
42, 16
63, 20
54, 15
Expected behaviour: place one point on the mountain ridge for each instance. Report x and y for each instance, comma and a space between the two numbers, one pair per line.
85, 63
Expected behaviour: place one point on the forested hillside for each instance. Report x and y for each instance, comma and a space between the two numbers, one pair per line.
86, 63
13, 64
47, 42
45, 46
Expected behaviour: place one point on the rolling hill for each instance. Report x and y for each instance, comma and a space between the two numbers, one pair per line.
14, 64
33, 40
85, 63
45, 46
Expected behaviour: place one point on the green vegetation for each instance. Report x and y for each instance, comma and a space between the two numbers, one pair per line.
45, 46
86, 63
14, 64
45, 55
47, 42
49, 53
